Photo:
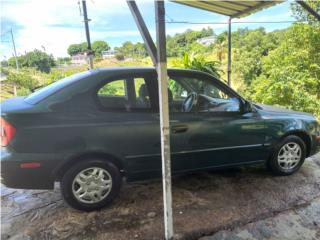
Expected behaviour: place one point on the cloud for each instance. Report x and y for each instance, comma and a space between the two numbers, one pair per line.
57, 24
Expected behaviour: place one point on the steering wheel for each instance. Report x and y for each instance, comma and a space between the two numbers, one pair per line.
189, 102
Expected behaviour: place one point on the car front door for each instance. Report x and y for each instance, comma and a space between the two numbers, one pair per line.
214, 131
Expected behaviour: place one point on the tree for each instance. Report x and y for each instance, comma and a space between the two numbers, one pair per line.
129, 49
77, 48
291, 72
22, 79
221, 45
63, 60
303, 15
37, 59
251, 46
180, 43
200, 64
99, 46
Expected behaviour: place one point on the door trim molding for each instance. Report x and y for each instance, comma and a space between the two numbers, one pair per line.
195, 151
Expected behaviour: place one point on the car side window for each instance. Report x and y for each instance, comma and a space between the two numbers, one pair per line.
113, 89
128, 95
210, 98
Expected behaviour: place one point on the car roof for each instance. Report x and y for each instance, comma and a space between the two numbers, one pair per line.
111, 70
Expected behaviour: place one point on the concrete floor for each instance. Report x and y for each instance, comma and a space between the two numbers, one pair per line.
241, 203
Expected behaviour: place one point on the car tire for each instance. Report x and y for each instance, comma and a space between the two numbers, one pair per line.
91, 185
288, 156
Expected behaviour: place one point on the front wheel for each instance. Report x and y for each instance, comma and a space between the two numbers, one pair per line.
91, 185
288, 156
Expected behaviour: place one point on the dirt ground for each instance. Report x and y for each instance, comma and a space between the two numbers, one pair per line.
241, 203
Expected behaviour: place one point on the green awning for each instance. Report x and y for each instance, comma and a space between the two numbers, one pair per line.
231, 8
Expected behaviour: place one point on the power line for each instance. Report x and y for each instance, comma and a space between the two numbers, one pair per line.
240, 22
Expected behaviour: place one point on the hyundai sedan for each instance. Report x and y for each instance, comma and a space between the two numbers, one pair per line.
91, 130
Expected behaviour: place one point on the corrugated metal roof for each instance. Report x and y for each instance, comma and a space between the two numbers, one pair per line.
231, 8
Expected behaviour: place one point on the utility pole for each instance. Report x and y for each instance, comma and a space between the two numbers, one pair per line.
86, 25
17, 63
14, 50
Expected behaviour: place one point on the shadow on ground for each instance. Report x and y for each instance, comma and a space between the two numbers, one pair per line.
203, 204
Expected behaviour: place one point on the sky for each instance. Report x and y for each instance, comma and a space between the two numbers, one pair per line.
52, 25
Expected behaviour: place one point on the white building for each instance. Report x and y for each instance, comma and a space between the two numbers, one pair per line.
206, 41
108, 54
79, 59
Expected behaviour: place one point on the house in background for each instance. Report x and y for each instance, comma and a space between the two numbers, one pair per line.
79, 59
108, 54
206, 41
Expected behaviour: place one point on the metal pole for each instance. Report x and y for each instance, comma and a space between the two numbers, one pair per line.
229, 51
164, 117
17, 63
151, 48
86, 25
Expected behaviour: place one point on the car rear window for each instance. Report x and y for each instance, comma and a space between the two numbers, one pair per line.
44, 92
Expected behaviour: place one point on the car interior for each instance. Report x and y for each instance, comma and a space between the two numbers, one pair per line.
185, 95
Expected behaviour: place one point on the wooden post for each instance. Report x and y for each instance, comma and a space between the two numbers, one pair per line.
164, 117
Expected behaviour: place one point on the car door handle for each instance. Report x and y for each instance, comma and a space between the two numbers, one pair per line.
179, 128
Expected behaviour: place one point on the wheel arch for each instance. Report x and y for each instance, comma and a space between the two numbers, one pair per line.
59, 172
304, 137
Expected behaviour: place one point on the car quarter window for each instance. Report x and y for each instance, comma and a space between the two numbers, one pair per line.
128, 94
210, 96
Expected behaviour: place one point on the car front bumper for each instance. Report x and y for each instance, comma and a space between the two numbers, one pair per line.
15, 176
315, 148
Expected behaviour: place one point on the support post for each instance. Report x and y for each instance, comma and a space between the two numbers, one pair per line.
86, 25
307, 7
151, 48
164, 117
229, 51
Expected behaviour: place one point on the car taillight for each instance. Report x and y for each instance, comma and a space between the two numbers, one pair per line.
7, 132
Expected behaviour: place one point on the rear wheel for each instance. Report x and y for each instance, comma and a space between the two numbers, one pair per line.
288, 156
91, 184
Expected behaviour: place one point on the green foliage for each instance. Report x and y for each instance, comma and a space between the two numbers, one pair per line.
99, 46
181, 43
291, 72
4, 63
77, 48
249, 46
129, 49
119, 56
303, 15
63, 60
22, 79
200, 64
36, 59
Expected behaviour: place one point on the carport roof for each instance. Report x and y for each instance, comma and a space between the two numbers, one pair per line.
231, 8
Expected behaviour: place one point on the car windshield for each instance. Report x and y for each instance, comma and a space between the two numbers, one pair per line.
44, 92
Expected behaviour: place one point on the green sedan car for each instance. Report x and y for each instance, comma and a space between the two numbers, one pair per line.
93, 129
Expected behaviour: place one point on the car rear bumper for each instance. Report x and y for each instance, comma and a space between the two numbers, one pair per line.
14, 175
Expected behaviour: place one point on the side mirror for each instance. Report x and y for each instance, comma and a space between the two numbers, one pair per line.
246, 107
